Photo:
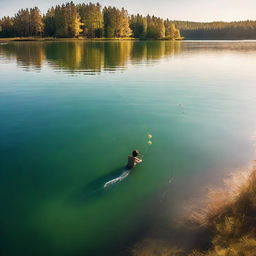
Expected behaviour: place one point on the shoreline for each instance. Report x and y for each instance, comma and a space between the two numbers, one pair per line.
53, 39
45, 39
220, 224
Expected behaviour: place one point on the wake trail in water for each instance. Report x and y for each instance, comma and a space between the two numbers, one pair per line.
118, 179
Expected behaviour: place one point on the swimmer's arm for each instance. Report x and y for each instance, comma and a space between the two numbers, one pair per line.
137, 160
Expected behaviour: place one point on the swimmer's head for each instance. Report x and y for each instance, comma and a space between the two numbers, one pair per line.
135, 153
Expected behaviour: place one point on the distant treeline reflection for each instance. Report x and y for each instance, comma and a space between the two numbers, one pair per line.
87, 56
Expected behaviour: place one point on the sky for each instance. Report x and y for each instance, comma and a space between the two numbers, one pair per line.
192, 10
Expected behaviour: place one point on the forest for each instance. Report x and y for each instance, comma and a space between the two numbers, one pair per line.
88, 21
217, 30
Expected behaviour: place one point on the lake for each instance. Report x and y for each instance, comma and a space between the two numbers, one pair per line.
70, 114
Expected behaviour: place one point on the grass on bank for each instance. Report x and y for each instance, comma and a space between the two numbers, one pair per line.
232, 223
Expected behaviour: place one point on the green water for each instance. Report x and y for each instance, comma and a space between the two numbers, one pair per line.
71, 112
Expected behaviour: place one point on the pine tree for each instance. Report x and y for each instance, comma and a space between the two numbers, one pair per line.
123, 26
91, 16
49, 23
60, 21
116, 22
109, 21
67, 21
7, 26
138, 25
22, 23
171, 31
75, 25
36, 22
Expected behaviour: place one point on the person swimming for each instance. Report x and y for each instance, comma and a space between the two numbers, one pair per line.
133, 160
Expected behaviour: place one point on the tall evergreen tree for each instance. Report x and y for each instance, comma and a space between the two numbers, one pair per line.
73, 20
92, 18
116, 22
36, 22
67, 20
123, 26
171, 32
60, 21
138, 25
22, 24
7, 27
109, 21
49, 23
155, 27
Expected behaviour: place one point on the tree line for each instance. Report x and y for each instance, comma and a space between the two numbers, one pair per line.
153, 27
217, 30
86, 20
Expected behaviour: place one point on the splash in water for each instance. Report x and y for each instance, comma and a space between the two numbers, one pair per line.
118, 179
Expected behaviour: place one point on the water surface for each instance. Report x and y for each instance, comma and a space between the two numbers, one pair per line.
71, 112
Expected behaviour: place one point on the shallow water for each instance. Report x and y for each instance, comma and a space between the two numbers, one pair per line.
71, 112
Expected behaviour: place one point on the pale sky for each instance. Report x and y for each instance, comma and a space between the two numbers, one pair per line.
193, 10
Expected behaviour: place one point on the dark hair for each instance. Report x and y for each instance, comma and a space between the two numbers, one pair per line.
135, 153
